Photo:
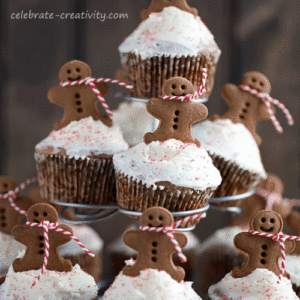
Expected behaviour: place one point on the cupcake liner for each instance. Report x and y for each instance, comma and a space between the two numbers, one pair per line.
70, 180
135, 196
235, 180
148, 75
296, 289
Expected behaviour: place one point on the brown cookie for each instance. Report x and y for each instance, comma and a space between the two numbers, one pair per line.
261, 252
159, 5
78, 101
244, 107
154, 249
175, 117
9, 217
33, 239
293, 221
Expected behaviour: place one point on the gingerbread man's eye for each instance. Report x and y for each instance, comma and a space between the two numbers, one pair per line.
253, 80
183, 87
160, 218
272, 220
68, 71
36, 213
263, 220
77, 70
261, 84
173, 86
45, 214
5, 185
150, 217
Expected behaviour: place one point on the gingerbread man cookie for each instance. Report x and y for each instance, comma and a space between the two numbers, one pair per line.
78, 101
261, 252
33, 239
175, 117
9, 217
293, 221
154, 249
244, 107
159, 5
255, 203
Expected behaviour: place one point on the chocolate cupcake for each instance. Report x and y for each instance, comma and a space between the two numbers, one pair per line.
169, 42
175, 175
75, 165
234, 152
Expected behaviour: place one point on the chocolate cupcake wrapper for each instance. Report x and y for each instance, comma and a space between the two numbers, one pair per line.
296, 289
148, 75
83, 180
234, 179
135, 196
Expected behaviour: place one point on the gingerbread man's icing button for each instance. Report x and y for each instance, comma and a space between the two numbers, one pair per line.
33, 238
256, 81
159, 5
155, 249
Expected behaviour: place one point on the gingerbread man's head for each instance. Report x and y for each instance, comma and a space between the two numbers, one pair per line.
74, 70
177, 86
267, 221
273, 184
257, 81
159, 5
42, 211
7, 184
156, 217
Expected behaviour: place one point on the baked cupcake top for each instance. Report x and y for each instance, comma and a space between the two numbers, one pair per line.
85, 137
261, 284
180, 164
151, 284
171, 32
231, 141
134, 121
53, 285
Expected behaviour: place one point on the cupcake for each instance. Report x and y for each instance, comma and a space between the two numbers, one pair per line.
134, 121
175, 175
261, 284
151, 284
234, 152
74, 162
169, 42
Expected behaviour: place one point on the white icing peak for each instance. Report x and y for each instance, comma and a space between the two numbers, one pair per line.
293, 267
85, 137
134, 121
171, 32
182, 164
52, 285
150, 285
261, 284
232, 141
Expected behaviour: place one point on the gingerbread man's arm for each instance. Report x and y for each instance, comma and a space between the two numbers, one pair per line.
132, 238
156, 110
181, 239
103, 88
263, 111
241, 242
20, 233
199, 112
289, 246
56, 95
230, 93
63, 238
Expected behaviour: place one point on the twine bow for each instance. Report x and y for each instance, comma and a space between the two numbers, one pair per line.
169, 230
13, 194
281, 238
191, 97
268, 100
275, 198
91, 82
53, 226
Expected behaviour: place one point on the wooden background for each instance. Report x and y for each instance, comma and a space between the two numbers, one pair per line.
257, 35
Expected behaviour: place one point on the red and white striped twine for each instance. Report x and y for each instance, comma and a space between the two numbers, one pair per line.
272, 198
268, 100
191, 97
53, 226
281, 238
91, 82
168, 230
13, 194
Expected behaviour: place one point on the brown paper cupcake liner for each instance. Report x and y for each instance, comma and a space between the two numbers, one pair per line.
234, 180
148, 75
135, 196
83, 180
296, 289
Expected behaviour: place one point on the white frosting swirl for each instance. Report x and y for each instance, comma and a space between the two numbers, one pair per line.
171, 32
182, 164
85, 137
53, 285
261, 284
293, 267
232, 141
149, 285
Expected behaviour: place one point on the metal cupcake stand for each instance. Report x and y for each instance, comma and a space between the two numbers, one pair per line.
88, 214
